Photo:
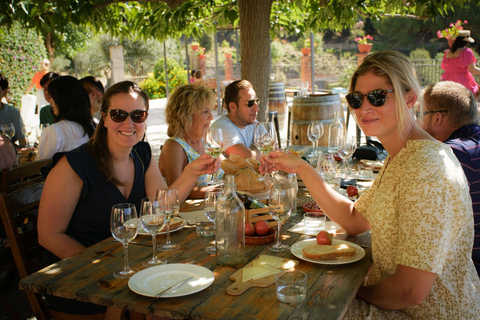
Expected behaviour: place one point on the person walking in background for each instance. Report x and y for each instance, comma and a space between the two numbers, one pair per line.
46, 113
451, 116
459, 63
73, 124
95, 92
198, 79
418, 209
238, 126
35, 82
9, 114
187, 114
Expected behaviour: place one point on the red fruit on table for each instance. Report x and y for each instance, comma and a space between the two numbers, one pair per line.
323, 237
352, 191
249, 230
261, 227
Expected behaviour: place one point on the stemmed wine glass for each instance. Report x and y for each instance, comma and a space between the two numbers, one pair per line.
168, 199
9, 129
280, 205
213, 143
152, 218
124, 230
346, 148
27, 131
210, 209
264, 138
314, 132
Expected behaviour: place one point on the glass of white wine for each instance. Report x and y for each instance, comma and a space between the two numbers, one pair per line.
264, 138
153, 219
210, 209
280, 206
314, 132
213, 143
124, 225
168, 199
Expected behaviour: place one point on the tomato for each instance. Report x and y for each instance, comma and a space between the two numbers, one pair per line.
261, 227
249, 230
323, 237
352, 191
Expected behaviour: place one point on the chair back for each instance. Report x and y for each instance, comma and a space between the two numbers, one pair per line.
22, 176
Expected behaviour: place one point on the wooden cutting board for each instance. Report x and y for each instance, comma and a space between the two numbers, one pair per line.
239, 287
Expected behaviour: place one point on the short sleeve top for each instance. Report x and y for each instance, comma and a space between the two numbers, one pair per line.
90, 222
420, 215
234, 135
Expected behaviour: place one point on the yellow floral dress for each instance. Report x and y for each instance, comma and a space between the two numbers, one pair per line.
420, 215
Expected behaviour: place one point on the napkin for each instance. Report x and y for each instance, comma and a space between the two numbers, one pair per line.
330, 226
190, 216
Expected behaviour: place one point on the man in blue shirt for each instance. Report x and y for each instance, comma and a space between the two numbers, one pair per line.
9, 114
451, 116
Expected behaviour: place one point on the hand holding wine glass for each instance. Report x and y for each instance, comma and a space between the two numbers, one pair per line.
280, 205
213, 143
264, 138
152, 218
123, 225
210, 210
168, 199
314, 132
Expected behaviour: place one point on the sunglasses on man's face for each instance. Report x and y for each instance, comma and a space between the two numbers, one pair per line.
119, 115
376, 98
250, 103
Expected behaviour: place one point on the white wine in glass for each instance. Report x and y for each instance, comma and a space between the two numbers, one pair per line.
264, 138
280, 206
213, 143
168, 199
124, 225
153, 219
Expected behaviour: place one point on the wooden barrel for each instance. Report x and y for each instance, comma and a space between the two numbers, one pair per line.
314, 108
277, 102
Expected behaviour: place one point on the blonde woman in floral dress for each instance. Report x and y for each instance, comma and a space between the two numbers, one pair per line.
418, 209
187, 114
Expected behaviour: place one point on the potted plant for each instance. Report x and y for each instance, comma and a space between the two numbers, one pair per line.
451, 33
363, 45
201, 52
194, 45
306, 50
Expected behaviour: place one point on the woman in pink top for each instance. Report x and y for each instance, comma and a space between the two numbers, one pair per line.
459, 63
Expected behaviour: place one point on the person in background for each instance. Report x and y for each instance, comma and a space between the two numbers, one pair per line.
192, 76
187, 114
418, 210
73, 124
35, 82
9, 114
198, 79
451, 116
238, 125
95, 92
459, 63
46, 113
8, 154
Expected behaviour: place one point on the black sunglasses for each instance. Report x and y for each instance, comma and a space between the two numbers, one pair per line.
119, 115
250, 103
376, 97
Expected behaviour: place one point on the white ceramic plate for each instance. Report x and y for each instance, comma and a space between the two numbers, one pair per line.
354, 175
152, 280
296, 249
142, 231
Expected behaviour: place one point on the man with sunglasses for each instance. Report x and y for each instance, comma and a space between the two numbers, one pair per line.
451, 116
238, 125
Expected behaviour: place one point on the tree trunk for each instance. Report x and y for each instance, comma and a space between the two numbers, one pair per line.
49, 43
255, 47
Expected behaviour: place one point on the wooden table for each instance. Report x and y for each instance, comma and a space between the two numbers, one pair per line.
331, 288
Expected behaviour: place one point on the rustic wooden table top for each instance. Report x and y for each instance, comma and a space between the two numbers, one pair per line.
331, 288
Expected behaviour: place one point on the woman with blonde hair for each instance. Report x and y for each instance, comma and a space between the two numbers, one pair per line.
418, 209
187, 114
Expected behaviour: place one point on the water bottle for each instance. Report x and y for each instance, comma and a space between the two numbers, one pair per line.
230, 226
335, 131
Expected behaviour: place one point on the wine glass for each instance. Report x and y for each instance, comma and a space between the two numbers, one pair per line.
314, 132
346, 148
264, 138
123, 225
213, 143
152, 218
280, 205
210, 209
327, 167
9, 129
27, 131
168, 199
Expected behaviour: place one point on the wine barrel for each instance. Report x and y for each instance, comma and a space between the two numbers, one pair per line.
277, 102
321, 108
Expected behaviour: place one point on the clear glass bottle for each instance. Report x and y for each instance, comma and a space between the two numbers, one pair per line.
230, 226
335, 131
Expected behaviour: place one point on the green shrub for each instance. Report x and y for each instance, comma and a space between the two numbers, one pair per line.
154, 84
21, 51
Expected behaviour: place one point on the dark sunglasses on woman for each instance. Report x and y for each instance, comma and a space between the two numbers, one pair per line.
376, 98
119, 115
